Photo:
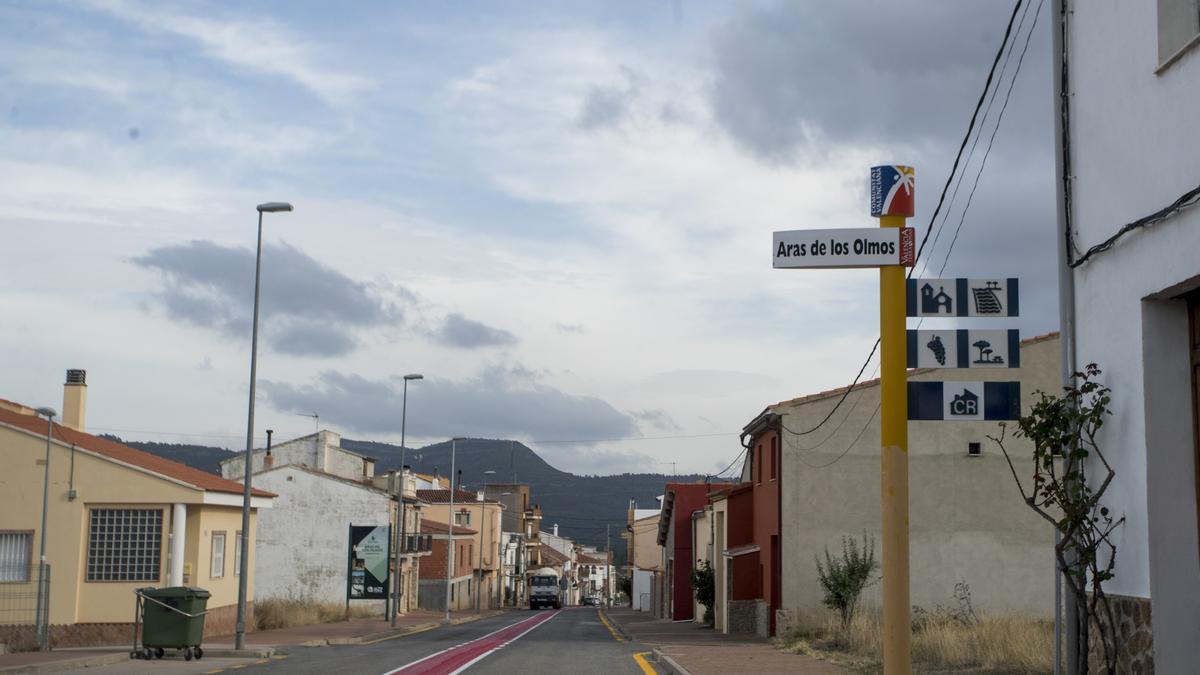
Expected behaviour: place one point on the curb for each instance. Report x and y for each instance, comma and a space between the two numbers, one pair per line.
260, 653
671, 663
617, 626
69, 664
380, 636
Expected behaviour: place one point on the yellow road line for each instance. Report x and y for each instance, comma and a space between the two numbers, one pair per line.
609, 626
212, 672
648, 669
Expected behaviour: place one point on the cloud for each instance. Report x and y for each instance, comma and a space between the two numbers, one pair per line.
307, 309
458, 331
568, 327
258, 45
504, 402
607, 106
659, 419
794, 76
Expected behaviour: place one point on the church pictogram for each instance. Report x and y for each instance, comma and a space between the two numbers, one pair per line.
932, 303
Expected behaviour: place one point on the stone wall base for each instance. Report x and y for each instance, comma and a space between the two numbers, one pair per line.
750, 617
218, 621
1135, 636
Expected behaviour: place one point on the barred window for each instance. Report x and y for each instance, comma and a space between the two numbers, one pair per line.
16, 551
124, 544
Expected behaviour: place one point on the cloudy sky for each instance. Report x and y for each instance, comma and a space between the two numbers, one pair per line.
559, 213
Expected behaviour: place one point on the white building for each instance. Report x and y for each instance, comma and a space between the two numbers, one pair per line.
1130, 109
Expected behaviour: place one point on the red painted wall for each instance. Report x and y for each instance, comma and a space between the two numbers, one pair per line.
689, 497
766, 478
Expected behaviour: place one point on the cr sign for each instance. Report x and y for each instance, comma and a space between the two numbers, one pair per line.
857, 247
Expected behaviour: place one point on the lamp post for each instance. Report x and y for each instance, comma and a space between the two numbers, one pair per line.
483, 537
400, 525
450, 536
43, 633
499, 564
247, 465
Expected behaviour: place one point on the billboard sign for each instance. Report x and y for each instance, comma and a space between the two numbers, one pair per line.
369, 563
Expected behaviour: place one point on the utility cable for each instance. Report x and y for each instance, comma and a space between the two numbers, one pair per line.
992, 139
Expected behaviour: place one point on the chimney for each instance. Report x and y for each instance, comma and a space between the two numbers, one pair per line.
74, 413
268, 460
556, 529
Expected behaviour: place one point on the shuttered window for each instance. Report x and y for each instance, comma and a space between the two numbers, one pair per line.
16, 552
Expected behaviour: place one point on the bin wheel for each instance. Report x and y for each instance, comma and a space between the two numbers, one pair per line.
158, 652
187, 653
199, 653
147, 653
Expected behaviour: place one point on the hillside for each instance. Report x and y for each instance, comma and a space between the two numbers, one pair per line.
582, 506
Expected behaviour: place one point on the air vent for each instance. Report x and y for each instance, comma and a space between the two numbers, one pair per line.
77, 376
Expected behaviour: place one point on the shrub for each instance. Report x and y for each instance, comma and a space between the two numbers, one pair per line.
704, 585
843, 579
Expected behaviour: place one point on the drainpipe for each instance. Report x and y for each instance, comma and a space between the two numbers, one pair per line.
1066, 304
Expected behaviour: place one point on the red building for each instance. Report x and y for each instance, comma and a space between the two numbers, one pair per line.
752, 543
675, 536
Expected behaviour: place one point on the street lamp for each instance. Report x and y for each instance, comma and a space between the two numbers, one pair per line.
450, 536
483, 537
247, 465
43, 632
499, 564
400, 497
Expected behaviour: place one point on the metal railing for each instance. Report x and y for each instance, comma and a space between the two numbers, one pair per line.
24, 592
416, 543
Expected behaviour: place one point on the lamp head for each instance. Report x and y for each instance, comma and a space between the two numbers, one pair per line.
47, 412
414, 376
274, 207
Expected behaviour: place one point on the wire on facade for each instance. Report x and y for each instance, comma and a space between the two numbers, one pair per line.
1187, 199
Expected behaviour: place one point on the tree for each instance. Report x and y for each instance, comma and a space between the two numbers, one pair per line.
704, 585
843, 579
1064, 432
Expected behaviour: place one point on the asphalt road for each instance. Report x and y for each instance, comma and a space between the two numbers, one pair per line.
573, 640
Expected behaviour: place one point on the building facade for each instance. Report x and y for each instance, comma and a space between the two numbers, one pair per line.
483, 518
968, 522
117, 519
1129, 100
432, 572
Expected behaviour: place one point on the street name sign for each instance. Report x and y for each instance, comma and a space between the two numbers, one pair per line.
986, 297
853, 247
964, 348
964, 401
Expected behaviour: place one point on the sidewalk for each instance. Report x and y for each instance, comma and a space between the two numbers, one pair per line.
259, 644
687, 647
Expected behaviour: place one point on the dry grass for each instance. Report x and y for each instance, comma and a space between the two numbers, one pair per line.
274, 613
992, 644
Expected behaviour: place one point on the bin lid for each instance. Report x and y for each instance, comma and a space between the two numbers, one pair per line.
177, 592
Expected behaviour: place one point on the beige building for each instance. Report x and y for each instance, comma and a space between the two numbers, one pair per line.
117, 519
483, 518
968, 522
644, 555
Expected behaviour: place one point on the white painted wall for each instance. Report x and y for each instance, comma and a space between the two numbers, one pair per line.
1134, 151
303, 542
641, 590
321, 451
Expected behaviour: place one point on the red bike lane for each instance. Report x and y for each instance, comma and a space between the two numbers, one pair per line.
461, 656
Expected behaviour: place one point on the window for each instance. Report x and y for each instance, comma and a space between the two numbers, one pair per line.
974, 449
217, 561
16, 551
463, 518
1178, 29
124, 544
774, 457
758, 461
237, 553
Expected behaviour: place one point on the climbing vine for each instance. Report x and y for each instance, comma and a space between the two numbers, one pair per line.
1064, 430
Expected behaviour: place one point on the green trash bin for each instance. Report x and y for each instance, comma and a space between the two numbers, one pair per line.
173, 617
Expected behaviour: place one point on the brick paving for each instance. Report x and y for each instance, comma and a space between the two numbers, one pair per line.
702, 651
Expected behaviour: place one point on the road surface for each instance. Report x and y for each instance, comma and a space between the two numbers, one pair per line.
572, 640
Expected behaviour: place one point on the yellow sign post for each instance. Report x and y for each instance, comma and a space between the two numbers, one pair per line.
892, 202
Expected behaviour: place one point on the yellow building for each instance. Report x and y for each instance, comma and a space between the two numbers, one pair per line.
483, 517
117, 519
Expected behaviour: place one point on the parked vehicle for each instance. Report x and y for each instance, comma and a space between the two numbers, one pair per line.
591, 601
544, 590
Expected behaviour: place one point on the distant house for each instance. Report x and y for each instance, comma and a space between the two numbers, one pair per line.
644, 555
324, 489
118, 519
675, 536
432, 593
483, 516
